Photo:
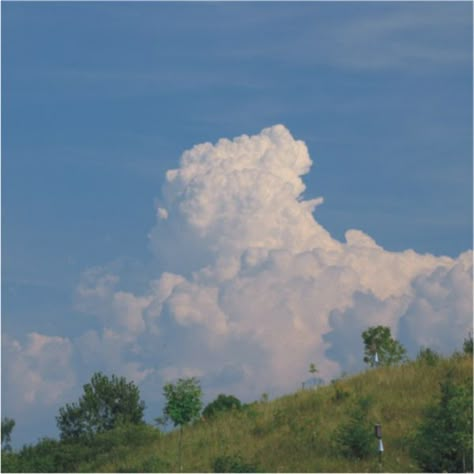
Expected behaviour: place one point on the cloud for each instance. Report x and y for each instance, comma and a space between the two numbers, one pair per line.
37, 371
252, 288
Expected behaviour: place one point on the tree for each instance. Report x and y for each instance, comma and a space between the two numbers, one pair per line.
105, 404
7, 427
443, 441
377, 339
220, 404
183, 405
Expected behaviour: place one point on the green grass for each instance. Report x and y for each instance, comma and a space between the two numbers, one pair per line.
296, 433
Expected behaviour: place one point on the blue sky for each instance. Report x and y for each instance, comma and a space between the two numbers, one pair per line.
100, 99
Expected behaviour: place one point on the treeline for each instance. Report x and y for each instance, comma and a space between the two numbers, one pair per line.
106, 424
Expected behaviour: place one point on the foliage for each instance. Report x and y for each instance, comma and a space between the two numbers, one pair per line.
75, 454
183, 401
299, 430
378, 339
10, 462
428, 356
443, 442
467, 346
44, 456
183, 405
220, 404
340, 393
7, 427
234, 463
354, 438
105, 404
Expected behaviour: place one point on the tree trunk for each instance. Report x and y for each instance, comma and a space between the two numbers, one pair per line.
180, 447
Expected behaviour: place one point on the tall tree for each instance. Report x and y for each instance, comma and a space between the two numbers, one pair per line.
183, 405
7, 427
105, 404
378, 339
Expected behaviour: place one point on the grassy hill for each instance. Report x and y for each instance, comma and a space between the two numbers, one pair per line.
296, 433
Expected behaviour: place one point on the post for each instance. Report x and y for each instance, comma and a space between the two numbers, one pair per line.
378, 434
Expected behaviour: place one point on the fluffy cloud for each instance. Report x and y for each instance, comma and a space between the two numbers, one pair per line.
252, 288
256, 288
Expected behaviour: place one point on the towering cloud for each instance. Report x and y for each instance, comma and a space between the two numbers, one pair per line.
252, 289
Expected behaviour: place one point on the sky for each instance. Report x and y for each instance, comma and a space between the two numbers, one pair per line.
142, 237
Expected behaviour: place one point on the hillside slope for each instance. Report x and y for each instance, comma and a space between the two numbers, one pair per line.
296, 433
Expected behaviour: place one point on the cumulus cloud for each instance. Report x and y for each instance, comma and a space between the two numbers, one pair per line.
252, 288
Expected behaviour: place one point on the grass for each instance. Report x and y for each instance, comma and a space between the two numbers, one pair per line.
296, 433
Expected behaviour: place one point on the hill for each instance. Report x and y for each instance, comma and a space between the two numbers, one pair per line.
294, 433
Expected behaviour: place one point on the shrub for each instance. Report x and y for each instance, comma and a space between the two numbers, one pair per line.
428, 356
220, 404
354, 438
443, 442
467, 346
340, 393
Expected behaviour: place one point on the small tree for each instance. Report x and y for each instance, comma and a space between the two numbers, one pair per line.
443, 442
7, 427
105, 404
378, 339
183, 405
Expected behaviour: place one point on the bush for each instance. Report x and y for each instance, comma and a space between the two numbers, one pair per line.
234, 463
467, 346
221, 404
355, 439
50, 455
428, 356
340, 393
11, 462
443, 442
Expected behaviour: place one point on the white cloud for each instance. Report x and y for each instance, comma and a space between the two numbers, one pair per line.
36, 372
253, 289
254, 283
